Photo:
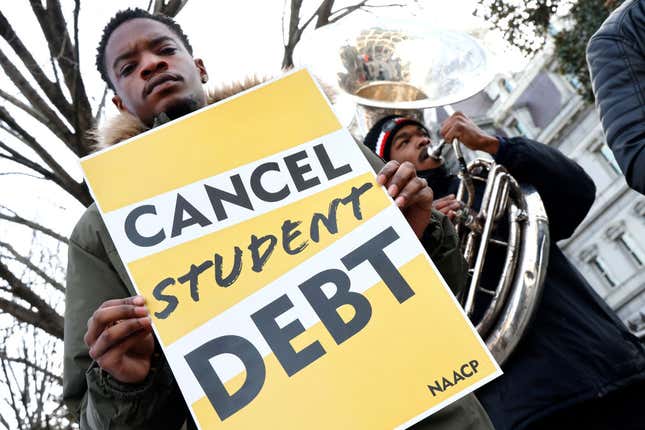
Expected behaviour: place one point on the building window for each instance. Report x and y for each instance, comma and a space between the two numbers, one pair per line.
601, 268
608, 158
519, 128
639, 208
627, 244
574, 81
619, 234
591, 257
637, 323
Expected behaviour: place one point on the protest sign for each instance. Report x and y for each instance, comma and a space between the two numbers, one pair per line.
284, 286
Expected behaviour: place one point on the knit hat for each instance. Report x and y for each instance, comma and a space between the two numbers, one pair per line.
379, 138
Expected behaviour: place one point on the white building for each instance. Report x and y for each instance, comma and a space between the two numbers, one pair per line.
608, 247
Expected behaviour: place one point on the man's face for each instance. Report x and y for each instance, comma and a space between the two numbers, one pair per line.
411, 143
152, 72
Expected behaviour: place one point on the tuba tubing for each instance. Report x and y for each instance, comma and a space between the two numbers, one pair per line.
518, 291
528, 279
500, 295
488, 212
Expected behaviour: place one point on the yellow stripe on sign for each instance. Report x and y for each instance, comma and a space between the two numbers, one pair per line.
213, 299
370, 392
276, 117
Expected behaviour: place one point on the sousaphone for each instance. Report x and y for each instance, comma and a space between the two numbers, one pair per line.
402, 67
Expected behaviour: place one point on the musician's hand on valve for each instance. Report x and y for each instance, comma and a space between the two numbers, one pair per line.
460, 127
410, 193
448, 205
119, 338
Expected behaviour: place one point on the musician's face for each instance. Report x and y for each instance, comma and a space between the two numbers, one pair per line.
152, 71
411, 143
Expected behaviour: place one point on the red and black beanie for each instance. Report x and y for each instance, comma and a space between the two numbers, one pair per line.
379, 138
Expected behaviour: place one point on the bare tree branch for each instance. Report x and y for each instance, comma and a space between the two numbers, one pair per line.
342, 13
323, 15
50, 88
54, 27
73, 188
30, 377
57, 173
54, 123
310, 19
324, 12
39, 387
27, 262
77, 56
4, 422
294, 33
19, 312
20, 159
12, 403
24, 398
99, 109
25, 107
45, 317
169, 7
15, 218
22, 174
31, 142
55, 69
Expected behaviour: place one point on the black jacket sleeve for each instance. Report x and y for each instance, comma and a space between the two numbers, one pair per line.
616, 58
565, 188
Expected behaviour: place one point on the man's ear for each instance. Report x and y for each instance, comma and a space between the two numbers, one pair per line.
202, 70
118, 103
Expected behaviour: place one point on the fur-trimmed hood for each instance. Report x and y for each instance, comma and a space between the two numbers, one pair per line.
125, 125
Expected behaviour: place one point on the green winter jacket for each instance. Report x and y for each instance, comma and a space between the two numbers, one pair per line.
95, 274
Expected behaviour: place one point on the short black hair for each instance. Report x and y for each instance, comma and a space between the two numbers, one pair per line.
124, 16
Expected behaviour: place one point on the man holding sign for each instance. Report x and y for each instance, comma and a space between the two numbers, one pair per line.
115, 373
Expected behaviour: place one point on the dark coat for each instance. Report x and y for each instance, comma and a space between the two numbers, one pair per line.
575, 349
616, 57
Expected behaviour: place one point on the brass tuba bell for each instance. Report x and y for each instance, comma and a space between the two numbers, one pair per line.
395, 67
403, 68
